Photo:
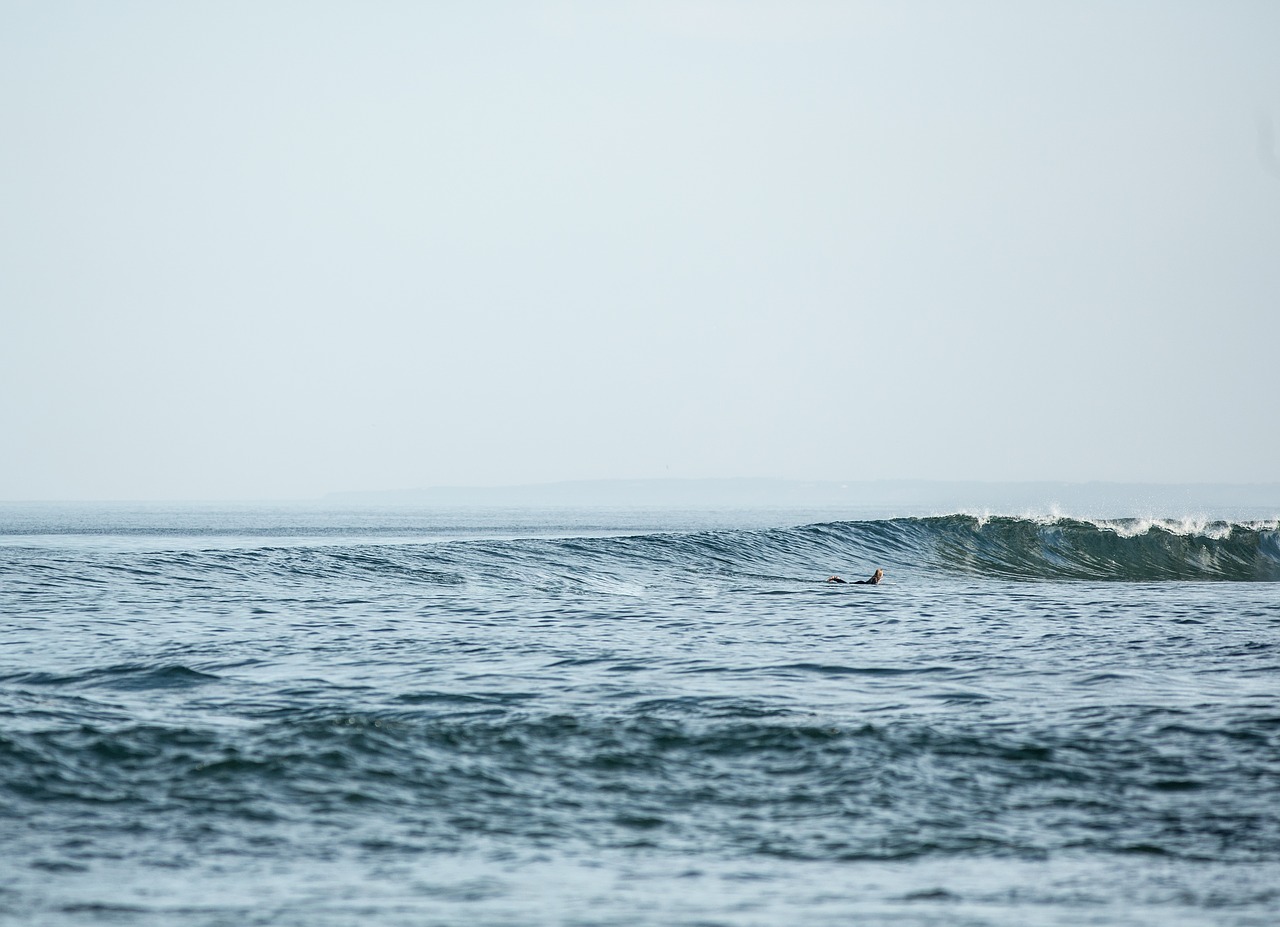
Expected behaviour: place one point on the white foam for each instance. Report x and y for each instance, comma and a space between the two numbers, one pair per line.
1195, 525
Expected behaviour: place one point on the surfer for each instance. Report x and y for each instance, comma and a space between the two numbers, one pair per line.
873, 581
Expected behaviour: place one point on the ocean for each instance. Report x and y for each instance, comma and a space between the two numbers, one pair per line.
221, 715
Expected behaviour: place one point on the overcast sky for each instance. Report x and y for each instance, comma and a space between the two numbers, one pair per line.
272, 250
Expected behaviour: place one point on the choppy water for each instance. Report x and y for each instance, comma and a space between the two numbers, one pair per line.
273, 717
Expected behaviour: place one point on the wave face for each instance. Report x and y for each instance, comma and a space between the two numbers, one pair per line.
1125, 550
1129, 550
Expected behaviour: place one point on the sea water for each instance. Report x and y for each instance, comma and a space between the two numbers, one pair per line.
222, 716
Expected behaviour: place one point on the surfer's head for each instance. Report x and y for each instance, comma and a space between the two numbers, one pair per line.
877, 576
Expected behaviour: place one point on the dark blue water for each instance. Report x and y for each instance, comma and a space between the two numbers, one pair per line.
221, 716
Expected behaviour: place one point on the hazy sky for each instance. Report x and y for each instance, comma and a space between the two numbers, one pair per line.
255, 250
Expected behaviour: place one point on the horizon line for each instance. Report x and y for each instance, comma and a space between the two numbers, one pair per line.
657, 482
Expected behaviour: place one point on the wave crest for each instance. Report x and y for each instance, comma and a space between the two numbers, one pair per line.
1133, 550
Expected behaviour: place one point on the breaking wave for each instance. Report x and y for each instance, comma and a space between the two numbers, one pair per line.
1130, 550
1010, 548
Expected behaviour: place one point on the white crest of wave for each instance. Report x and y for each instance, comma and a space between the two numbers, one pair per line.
1187, 526
1216, 529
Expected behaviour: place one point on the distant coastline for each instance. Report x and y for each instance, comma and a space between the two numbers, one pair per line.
1097, 498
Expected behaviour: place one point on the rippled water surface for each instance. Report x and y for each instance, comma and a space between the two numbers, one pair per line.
242, 717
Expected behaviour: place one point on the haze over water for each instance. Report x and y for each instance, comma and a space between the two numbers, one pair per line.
273, 251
